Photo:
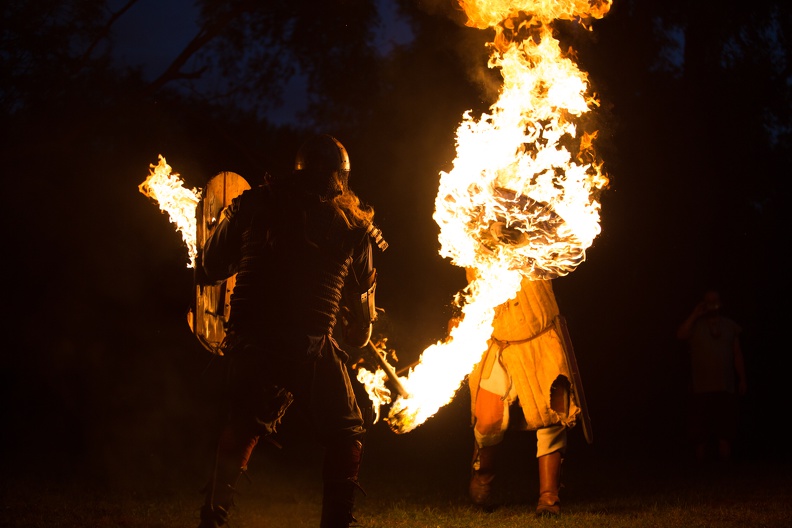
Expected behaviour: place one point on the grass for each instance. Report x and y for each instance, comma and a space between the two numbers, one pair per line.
286, 493
417, 480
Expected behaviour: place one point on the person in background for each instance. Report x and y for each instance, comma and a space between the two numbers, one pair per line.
717, 376
301, 248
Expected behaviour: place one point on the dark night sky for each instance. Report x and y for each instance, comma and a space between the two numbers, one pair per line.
152, 33
110, 366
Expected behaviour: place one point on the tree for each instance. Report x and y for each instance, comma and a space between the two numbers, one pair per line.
49, 49
247, 52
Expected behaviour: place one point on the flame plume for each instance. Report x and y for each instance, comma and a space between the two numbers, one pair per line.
522, 197
167, 189
374, 383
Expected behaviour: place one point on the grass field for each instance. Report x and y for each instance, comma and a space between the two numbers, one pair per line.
606, 495
419, 480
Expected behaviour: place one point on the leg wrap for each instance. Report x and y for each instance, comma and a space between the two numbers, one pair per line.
549, 484
482, 475
233, 452
213, 517
340, 477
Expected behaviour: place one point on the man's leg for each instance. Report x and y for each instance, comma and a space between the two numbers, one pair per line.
256, 407
340, 482
233, 452
340, 424
488, 432
550, 446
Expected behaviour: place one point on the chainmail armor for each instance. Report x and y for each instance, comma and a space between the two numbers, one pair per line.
294, 262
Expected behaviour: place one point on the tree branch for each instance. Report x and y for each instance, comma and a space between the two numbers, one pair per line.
210, 30
103, 34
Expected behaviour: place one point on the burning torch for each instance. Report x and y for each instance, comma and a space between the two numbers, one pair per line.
379, 357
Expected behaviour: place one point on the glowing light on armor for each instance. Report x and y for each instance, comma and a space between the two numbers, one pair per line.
522, 196
167, 189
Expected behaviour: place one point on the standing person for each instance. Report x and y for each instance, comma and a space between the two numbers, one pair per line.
524, 364
717, 376
301, 248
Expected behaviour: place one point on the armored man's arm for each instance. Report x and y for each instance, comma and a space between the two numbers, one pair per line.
359, 299
221, 251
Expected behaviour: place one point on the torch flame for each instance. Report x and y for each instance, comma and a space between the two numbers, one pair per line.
167, 189
522, 197
374, 383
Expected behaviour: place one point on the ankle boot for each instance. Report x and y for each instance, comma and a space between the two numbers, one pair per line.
219, 497
549, 484
213, 516
482, 475
340, 476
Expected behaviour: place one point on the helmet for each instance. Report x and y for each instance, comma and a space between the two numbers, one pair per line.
323, 165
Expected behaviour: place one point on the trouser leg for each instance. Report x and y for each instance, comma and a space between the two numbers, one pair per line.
340, 481
233, 452
256, 403
488, 431
256, 408
339, 423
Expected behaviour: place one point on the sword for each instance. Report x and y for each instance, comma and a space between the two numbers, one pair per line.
577, 384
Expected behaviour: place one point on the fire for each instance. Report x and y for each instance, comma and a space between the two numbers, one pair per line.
167, 189
374, 383
522, 196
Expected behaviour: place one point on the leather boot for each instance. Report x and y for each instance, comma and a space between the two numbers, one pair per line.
213, 516
549, 484
219, 497
233, 452
340, 477
482, 475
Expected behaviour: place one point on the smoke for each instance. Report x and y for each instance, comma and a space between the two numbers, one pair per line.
474, 52
470, 47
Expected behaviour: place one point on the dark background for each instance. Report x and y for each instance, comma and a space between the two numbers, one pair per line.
101, 375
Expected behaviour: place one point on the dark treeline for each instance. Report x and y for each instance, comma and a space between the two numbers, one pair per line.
101, 366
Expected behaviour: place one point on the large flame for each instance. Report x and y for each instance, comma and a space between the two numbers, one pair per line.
167, 189
522, 197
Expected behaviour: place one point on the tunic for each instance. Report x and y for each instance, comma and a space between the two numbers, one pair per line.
525, 357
